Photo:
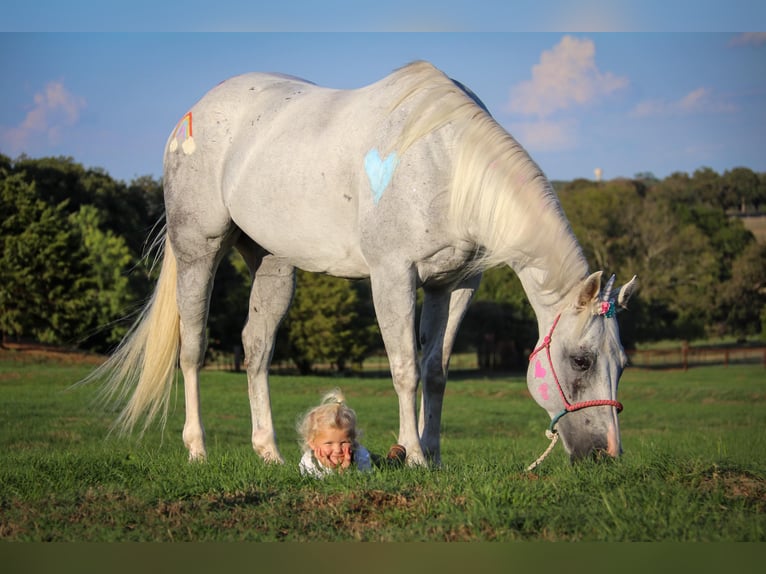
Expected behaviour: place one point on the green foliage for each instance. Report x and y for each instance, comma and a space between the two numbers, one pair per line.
42, 269
675, 236
500, 324
742, 188
743, 297
62, 276
228, 308
129, 211
107, 259
326, 322
74, 240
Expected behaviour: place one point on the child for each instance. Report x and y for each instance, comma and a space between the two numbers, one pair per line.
329, 439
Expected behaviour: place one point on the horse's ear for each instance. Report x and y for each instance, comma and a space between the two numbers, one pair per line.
589, 290
626, 291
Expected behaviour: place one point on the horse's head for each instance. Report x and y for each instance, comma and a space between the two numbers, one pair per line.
574, 370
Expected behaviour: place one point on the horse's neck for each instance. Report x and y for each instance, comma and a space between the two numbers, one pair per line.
550, 278
546, 302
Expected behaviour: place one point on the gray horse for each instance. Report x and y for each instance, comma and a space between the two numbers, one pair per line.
408, 181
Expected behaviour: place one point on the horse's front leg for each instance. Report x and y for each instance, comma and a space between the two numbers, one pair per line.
394, 299
270, 298
442, 313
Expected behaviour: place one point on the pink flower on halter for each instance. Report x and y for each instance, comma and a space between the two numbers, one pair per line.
606, 308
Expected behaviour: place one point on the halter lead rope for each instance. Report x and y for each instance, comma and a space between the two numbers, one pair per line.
551, 432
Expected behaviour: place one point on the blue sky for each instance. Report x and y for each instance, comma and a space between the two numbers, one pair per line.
654, 100
388, 16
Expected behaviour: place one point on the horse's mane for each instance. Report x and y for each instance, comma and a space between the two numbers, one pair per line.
499, 197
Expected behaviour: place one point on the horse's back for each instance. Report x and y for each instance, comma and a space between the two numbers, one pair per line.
276, 153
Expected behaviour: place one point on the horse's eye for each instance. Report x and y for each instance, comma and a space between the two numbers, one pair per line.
581, 362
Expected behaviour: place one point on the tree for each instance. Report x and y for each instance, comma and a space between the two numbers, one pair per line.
624, 233
63, 277
113, 221
743, 297
500, 323
678, 268
705, 187
647, 178
676, 188
326, 323
597, 215
42, 267
229, 303
740, 188
760, 197
106, 258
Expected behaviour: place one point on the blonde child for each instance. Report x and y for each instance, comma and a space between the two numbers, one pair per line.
329, 440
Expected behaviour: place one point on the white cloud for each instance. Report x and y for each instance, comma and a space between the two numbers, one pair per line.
53, 110
700, 100
566, 75
749, 39
591, 16
545, 135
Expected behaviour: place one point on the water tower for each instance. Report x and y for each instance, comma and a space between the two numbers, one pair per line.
599, 172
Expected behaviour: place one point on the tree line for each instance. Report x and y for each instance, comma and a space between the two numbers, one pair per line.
76, 266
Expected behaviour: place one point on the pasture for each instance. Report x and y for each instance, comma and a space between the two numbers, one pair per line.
694, 466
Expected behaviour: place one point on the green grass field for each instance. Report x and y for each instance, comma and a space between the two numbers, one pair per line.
694, 467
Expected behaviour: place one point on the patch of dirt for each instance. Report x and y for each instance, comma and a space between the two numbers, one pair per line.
365, 515
364, 503
737, 485
39, 353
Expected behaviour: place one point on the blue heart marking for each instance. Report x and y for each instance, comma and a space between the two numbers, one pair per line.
379, 172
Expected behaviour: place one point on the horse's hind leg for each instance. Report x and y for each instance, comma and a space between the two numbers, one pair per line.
196, 270
442, 313
270, 298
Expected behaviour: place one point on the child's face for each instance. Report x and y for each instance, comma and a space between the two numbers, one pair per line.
332, 447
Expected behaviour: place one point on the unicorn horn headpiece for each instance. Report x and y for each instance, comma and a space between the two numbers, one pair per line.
606, 306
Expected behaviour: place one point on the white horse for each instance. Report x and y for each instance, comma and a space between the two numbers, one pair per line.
408, 181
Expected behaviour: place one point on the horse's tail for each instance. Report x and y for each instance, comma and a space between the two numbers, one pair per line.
145, 362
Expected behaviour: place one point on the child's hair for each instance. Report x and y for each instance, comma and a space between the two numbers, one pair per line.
333, 412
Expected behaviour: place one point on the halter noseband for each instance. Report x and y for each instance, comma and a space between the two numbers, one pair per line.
568, 407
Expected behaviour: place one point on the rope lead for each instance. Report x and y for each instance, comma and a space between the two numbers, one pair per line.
554, 437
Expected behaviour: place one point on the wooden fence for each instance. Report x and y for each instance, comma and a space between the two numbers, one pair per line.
682, 357
685, 357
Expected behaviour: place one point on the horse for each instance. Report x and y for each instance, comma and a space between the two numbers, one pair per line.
408, 181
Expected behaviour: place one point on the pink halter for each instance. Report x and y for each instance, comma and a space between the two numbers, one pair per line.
568, 407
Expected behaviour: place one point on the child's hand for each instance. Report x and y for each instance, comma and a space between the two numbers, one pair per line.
323, 458
333, 458
348, 456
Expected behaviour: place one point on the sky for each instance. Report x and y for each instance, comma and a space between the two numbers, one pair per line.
670, 86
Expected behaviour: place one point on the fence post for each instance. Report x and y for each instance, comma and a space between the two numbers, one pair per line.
685, 354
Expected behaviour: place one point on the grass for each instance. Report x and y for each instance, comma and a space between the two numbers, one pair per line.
694, 467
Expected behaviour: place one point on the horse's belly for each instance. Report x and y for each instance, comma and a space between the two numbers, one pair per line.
309, 244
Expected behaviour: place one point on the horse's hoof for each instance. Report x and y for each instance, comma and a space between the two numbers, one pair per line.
270, 456
197, 456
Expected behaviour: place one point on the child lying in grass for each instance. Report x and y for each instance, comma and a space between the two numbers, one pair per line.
329, 440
